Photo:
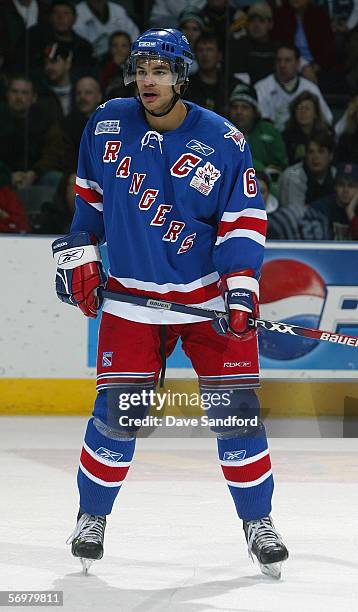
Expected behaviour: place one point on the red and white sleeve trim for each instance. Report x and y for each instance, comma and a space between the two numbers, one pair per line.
90, 192
249, 223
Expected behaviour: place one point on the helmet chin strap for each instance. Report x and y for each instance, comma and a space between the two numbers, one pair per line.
171, 105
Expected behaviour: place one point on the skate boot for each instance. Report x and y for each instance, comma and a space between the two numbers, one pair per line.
265, 543
87, 539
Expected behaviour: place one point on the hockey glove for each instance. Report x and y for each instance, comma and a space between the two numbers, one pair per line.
240, 293
79, 272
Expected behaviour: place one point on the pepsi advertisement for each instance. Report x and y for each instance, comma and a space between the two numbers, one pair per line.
311, 284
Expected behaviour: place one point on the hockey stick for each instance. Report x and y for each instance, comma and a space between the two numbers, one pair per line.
274, 326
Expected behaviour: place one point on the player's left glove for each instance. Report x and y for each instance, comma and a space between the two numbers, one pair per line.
79, 271
240, 292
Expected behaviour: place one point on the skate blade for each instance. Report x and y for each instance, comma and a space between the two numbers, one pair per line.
272, 569
86, 564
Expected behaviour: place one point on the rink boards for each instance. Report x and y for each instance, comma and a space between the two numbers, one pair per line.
48, 348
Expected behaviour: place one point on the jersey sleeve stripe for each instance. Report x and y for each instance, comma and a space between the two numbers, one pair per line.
242, 233
88, 184
258, 213
249, 223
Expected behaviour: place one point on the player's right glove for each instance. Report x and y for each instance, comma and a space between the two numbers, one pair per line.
239, 291
79, 271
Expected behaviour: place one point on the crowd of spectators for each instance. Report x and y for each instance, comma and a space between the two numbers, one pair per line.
285, 72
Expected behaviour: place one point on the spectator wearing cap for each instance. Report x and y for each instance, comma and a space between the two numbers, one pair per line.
165, 13
307, 26
57, 75
97, 19
253, 55
30, 143
341, 207
112, 66
207, 87
59, 29
276, 91
192, 24
311, 179
347, 148
266, 144
305, 116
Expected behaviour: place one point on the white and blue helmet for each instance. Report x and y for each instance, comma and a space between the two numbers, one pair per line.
161, 44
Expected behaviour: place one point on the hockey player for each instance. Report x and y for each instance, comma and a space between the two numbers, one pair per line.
171, 188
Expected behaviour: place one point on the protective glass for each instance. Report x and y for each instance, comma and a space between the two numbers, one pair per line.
158, 71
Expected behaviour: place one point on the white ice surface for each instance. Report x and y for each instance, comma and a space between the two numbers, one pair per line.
173, 542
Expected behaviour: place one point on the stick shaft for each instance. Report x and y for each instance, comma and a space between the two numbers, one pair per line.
273, 326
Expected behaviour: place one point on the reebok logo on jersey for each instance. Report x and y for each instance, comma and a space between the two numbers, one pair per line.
200, 147
69, 256
204, 178
235, 455
111, 126
240, 294
108, 454
107, 359
237, 364
236, 136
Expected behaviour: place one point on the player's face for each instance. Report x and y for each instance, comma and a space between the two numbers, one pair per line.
154, 80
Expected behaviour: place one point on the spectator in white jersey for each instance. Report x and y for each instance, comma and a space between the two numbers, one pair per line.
97, 19
276, 91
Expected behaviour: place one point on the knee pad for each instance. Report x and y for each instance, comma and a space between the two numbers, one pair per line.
118, 407
233, 411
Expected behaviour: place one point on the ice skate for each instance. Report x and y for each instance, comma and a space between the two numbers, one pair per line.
266, 545
87, 539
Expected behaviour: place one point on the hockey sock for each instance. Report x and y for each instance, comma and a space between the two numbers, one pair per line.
246, 465
104, 463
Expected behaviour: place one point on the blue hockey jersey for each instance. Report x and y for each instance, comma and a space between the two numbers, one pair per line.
177, 209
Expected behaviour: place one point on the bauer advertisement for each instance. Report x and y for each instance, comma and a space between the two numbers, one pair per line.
308, 284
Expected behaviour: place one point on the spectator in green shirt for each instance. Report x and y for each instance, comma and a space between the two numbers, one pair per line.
265, 141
